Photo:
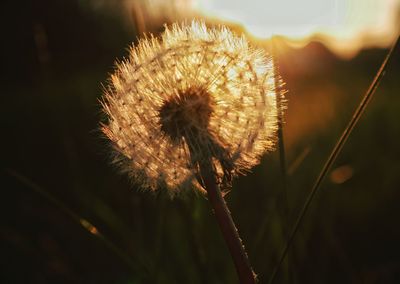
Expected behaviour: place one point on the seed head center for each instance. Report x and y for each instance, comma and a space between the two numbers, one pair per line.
186, 115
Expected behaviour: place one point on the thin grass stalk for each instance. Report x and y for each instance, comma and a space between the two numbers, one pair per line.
335, 152
227, 226
282, 162
281, 143
78, 219
281, 146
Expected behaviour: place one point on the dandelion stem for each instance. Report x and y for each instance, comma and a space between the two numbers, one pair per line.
335, 152
227, 226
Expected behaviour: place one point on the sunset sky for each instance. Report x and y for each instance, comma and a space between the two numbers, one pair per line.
354, 22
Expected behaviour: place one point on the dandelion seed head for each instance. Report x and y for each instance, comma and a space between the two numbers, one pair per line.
194, 95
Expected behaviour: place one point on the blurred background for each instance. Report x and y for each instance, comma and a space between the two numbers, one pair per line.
67, 216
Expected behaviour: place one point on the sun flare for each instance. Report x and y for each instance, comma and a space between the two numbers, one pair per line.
347, 24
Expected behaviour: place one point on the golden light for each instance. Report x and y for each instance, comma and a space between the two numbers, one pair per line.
342, 174
346, 25
89, 227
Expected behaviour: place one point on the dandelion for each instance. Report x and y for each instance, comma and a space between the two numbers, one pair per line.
193, 96
193, 108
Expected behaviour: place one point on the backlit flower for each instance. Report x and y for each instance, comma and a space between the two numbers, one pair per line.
194, 95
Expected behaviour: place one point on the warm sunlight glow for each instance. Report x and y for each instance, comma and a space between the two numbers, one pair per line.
346, 24
91, 229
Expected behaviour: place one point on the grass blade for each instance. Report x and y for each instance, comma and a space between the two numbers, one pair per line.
334, 154
78, 219
281, 146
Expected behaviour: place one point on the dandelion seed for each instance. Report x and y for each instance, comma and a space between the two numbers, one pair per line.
194, 95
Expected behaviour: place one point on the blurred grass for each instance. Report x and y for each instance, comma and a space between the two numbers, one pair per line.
50, 116
337, 149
